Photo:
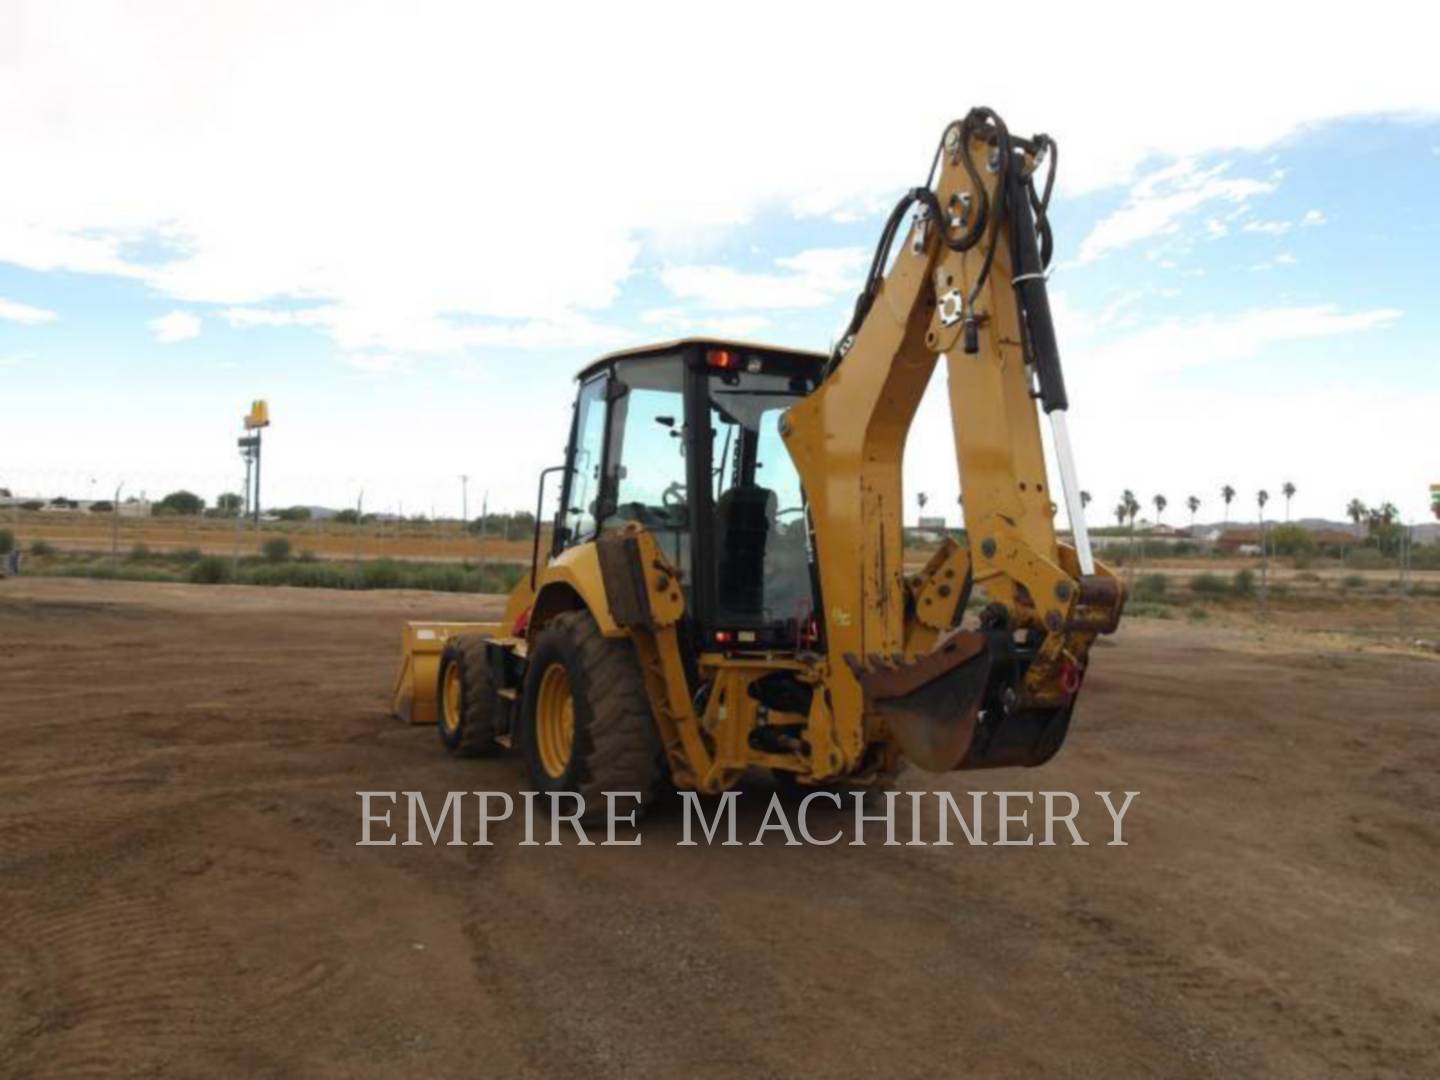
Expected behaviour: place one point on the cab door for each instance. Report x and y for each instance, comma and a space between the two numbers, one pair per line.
582, 492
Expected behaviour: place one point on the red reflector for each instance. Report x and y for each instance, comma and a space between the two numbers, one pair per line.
724, 637
723, 359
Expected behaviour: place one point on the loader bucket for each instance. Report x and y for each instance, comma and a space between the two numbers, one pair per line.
416, 685
946, 710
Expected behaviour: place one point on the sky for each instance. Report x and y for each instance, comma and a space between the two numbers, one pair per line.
408, 225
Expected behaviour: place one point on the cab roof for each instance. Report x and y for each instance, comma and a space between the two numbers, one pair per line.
681, 344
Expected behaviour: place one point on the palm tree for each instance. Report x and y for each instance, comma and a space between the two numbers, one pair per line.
922, 499
1227, 493
1289, 492
1120, 511
1132, 506
1356, 511
1262, 497
1193, 502
1388, 513
1160, 503
1085, 499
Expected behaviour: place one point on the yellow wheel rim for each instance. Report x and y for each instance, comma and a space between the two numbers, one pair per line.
451, 697
554, 720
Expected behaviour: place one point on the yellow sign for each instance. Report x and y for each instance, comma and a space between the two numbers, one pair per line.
259, 416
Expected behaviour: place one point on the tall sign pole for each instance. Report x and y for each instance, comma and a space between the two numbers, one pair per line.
255, 421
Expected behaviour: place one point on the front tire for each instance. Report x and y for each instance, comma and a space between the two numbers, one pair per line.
588, 725
466, 698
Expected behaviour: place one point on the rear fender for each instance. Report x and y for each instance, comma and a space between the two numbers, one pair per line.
573, 582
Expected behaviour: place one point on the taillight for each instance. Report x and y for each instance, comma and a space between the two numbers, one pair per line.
723, 360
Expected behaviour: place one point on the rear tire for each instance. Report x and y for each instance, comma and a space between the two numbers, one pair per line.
587, 690
466, 698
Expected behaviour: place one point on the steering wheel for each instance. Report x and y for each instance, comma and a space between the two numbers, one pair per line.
674, 495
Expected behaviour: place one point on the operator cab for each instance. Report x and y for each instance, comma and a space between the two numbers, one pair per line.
684, 438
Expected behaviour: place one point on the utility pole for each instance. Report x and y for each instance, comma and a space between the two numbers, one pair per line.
359, 514
464, 502
115, 523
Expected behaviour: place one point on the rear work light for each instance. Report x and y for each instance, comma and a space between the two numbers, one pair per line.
723, 359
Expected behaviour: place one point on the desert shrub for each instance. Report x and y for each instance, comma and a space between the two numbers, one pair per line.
110, 571
32, 505
301, 575
1308, 575
1366, 558
138, 553
381, 574
1197, 613
1291, 540
1146, 610
1352, 581
102, 507
1243, 583
307, 556
42, 547
7, 541
210, 570
439, 579
1207, 584
1151, 587
1425, 557
188, 555
1279, 589
276, 549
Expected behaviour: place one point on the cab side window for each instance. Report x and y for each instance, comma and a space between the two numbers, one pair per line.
582, 485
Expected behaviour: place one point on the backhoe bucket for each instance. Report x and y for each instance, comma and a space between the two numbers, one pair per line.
931, 704
946, 711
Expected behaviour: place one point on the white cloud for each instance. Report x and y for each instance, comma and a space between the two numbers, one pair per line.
1161, 200
175, 326
1313, 217
813, 278
14, 311
1285, 259
1180, 344
377, 363
386, 327
200, 149
1273, 228
681, 321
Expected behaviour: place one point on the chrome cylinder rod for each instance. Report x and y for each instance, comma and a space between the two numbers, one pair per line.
1070, 485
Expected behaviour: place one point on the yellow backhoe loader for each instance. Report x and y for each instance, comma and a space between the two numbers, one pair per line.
725, 586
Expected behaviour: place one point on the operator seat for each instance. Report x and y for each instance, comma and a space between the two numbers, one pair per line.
744, 517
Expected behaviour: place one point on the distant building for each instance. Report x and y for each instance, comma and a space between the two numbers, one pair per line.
135, 508
935, 523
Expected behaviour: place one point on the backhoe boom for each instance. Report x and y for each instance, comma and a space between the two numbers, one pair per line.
968, 284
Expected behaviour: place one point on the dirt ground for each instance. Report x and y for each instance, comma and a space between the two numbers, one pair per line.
181, 894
